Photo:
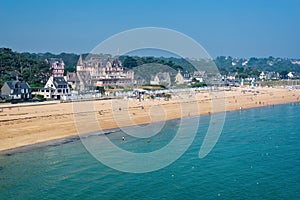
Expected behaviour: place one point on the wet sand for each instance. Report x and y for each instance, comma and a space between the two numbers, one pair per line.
27, 124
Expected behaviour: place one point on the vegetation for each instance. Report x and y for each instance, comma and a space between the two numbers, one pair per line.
39, 97
31, 67
196, 83
70, 59
15, 65
101, 89
153, 87
199, 85
254, 66
135, 61
243, 67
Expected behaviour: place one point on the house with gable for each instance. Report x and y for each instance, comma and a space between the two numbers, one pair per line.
161, 78
16, 90
262, 76
55, 88
290, 75
179, 79
183, 78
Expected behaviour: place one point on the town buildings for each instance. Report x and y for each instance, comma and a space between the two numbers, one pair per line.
56, 86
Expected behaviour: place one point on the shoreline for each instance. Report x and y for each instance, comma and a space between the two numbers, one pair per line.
69, 139
22, 127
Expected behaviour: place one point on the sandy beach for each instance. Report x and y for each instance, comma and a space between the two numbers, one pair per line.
27, 124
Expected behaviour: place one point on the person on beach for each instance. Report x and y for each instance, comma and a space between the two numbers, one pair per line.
123, 138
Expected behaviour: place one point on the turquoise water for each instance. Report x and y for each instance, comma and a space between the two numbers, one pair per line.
256, 157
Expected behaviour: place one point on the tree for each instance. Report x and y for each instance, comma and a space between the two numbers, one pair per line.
194, 80
283, 74
69, 69
199, 85
100, 89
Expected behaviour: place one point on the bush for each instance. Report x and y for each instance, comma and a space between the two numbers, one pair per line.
100, 89
199, 85
4, 101
40, 97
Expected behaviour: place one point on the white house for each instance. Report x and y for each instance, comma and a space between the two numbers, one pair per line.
290, 75
161, 78
55, 88
179, 79
231, 76
262, 75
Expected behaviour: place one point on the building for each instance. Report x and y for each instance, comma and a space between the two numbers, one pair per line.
104, 71
17, 90
251, 77
161, 78
290, 75
184, 78
272, 75
231, 76
199, 76
85, 81
179, 79
55, 88
73, 80
57, 67
262, 76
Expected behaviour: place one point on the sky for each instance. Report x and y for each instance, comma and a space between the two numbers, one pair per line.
237, 28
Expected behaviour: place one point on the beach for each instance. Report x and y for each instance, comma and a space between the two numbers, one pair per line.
27, 124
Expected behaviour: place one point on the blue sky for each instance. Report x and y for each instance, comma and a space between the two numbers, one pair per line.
238, 28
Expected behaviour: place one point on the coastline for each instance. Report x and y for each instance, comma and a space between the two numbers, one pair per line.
25, 126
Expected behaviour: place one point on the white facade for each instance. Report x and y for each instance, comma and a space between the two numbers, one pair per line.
179, 78
262, 75
290, 75
55, 88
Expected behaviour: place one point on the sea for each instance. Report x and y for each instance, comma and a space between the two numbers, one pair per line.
257, 156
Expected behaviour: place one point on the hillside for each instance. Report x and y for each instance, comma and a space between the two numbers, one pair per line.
32, 67
256, 65
15, 65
